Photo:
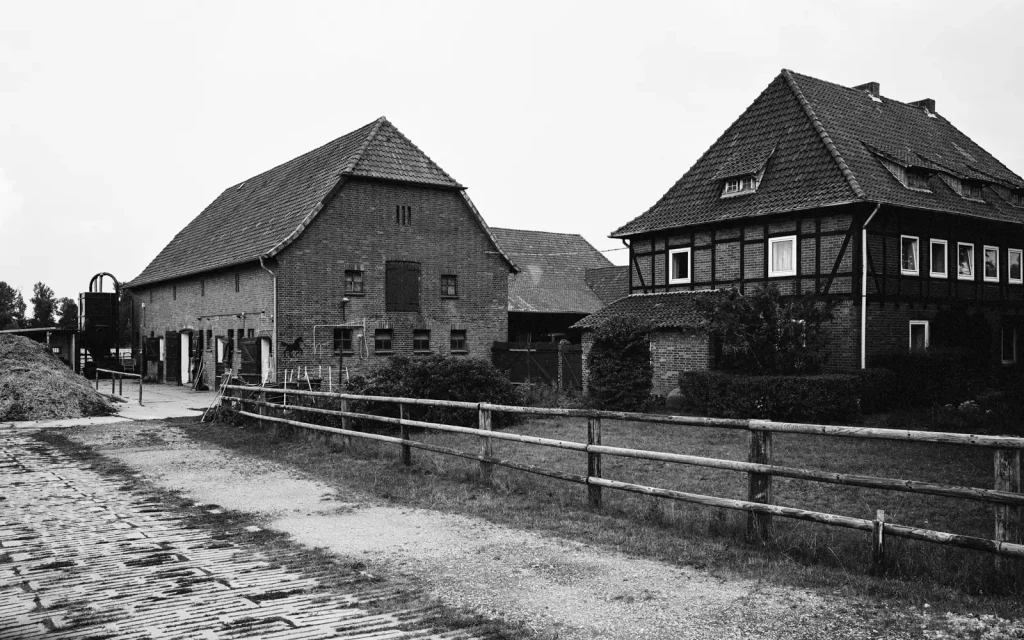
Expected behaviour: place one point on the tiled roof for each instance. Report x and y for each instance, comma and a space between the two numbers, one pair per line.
824, 143
552, 271
263, 214
609, 283
674, 310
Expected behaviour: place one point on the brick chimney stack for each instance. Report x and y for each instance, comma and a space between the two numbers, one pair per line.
927, 103
871, 87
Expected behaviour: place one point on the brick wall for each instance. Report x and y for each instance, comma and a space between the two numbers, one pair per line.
357, 230
672, 351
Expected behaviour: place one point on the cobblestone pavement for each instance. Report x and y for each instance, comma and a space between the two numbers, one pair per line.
82, 557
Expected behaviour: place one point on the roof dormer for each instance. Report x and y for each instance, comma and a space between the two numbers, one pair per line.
739, 185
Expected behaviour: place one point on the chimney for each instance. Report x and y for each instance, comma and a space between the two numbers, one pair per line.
871, 87
927, 103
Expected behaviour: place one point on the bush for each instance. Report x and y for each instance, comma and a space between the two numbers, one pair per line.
820, 398
879, 390
937, 376
619, 365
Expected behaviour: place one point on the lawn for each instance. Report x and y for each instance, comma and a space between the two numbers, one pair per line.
803, 554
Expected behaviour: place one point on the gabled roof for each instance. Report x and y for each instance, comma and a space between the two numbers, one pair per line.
609, 283
673, 310
262, 215
821, 144
553, 269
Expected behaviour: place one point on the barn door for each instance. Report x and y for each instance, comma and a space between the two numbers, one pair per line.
402, 286
172, 343
252, 363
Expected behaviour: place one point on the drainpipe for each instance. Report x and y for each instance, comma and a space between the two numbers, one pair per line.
864, 289
273, 347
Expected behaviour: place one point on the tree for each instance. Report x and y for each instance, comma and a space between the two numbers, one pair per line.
68, 311
760, 333
43, 305
619, 362
12, 307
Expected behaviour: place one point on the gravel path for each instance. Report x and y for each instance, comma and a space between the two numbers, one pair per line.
561, 589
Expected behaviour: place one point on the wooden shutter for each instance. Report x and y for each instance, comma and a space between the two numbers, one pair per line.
402, 286
251, 363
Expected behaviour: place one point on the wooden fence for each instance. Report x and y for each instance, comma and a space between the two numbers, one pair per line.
1006, 495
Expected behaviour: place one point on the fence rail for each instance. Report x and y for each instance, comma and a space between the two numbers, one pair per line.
120, 381
1006, 496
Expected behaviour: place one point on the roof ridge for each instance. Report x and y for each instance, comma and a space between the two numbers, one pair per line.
552, 233
358, 155
382, 121
825, 138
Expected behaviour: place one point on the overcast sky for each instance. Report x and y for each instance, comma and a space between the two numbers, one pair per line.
121, 121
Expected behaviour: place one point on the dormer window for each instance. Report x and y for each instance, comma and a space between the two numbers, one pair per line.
970, 189
917, 179
739, 185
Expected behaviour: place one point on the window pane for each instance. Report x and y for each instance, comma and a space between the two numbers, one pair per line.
909, 254
680, 265
1015, 266
966, 261
918, 333
782, 256
991, 263
938, 258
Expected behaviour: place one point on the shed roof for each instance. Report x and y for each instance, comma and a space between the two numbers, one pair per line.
671, 310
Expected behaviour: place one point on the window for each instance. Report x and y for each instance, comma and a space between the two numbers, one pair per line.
965, 261
238, 283
421, 340
1008, 340
449, 285
403, 215
782, 256
970, 189
250, 333
354, 281
938, 266
1013, 264
202, 287
679, 266
909, 255
991, 266
402, 286
342, 339
382, 340
918, 335
917, 179
209, 339
458, 340
1017, 198
737, 186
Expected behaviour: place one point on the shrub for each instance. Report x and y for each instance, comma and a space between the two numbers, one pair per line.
937, 376
818, 398
759, 333
879, 390
619, 365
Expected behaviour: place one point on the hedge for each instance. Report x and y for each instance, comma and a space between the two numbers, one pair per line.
828, 398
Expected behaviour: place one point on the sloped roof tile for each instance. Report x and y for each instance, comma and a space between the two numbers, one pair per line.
609, 283
673, 310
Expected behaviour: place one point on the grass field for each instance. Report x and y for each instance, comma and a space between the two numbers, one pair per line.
803, 554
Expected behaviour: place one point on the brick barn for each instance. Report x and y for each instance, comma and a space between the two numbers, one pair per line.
817, 188
331, 262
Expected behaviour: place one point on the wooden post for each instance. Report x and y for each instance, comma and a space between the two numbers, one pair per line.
406, 449
594, 462
1008, 518
97, 372
120, 386
486, 447
878, 542
140, 391
759, 486
345, 422
112, 382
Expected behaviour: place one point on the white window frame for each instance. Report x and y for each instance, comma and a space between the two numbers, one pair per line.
984, 273
960, 276
741, 185
1009, 271
910, 334
917, 256
689, 266
931, 262
1002, 333
770, 254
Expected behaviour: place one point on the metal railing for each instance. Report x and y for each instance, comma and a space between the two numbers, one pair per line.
119, 381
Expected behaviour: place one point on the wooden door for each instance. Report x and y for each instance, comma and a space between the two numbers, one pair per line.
252, 364
172, 344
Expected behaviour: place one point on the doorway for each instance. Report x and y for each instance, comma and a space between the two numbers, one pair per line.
185, 358
265, 354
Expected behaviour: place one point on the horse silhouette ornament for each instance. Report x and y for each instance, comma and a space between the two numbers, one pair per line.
291, 349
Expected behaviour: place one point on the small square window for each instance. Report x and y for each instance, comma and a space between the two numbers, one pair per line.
909, 253
449, 285
403, 215
782, 256
458, 340
918, 336
382, 340
964, 261
991, 272
354, 281
421, 340
1013, 264
938, 266
250, 333
679, 266
342, 339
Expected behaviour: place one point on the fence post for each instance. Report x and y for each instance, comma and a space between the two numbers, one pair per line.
97, 374
593, 462
345, 422
486, 448
140, 391
759, 485
406, 449
112, 382
120, 386
878, 542
1007, 478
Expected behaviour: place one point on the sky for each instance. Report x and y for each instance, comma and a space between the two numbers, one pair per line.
121, 121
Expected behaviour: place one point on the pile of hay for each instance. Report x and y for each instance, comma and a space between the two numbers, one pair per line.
35, 385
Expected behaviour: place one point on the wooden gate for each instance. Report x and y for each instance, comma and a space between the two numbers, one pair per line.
558, 365
172, 344
251, 365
